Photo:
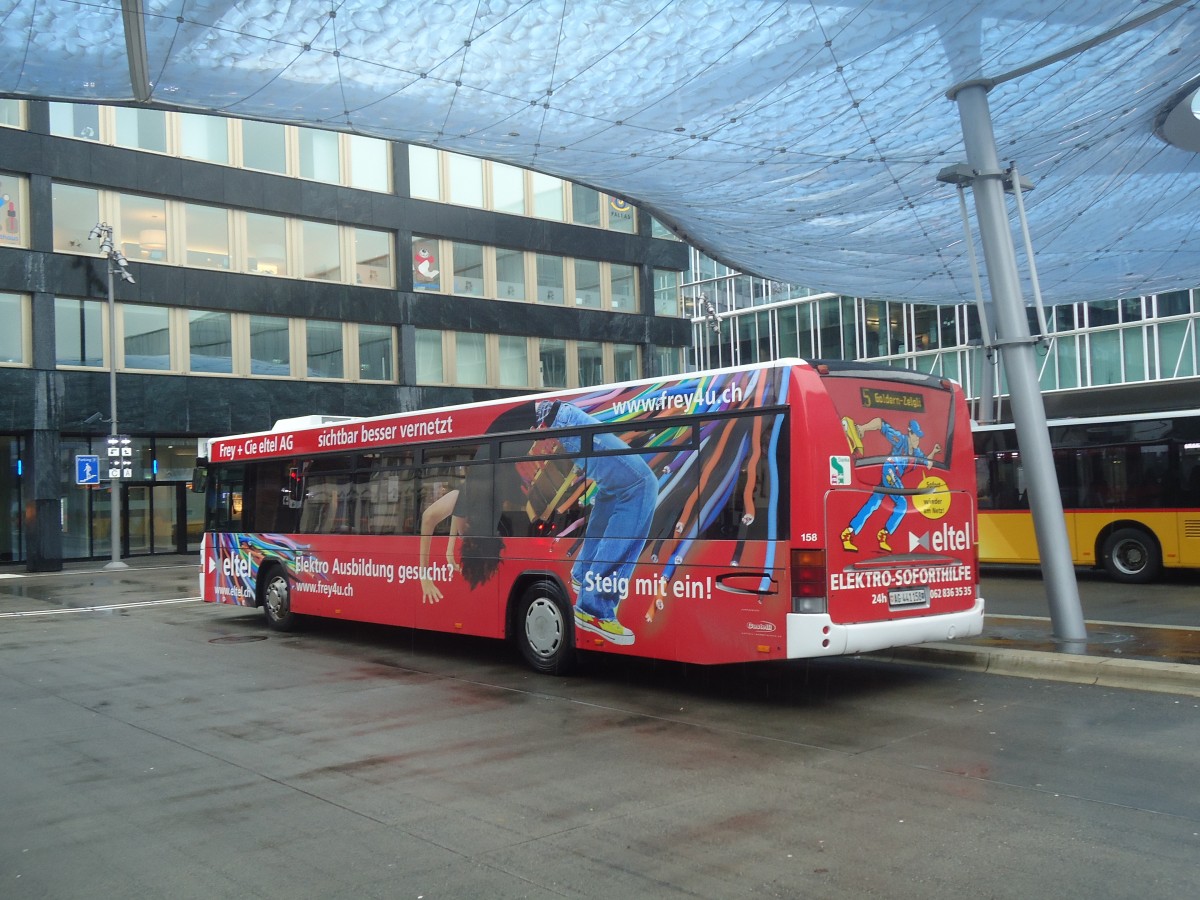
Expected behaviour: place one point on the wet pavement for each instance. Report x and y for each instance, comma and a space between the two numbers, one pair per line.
1144, 636
183, 750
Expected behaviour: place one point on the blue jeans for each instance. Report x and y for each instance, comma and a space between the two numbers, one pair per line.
891, 478
619, 523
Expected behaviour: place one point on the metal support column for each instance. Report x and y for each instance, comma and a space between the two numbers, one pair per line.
1020, 365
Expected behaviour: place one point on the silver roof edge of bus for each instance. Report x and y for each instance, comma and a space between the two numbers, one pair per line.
312, 421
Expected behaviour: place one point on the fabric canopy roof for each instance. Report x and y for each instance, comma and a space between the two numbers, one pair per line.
796, 140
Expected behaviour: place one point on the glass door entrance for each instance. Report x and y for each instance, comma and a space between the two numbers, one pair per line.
161, 518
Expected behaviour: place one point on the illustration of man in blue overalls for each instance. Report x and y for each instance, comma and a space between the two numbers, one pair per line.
906, 451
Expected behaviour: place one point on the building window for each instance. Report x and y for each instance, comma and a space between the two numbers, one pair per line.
430, 367
13, 329
625, 362
10, 114
427, 271
75, 120
141, 129
587, 283
591, 363
585, 205
424, 176
320, 251
550, 288
204, 137
508, 189
369, 167
210, 342
205, 234
375, 353
547, 197
470, 358
12, 210
552, 363
264, 146
319, 156
510, 274
669, 360
76, 210
141, 227
468, 269
372, 257
624, 288
514, 361
146, 332
78, 332
323, 349
266, 244
666, 293
621, 216
465, 180
270, 346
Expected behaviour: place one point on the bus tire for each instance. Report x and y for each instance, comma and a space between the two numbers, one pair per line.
277, 599
544, 629
1132, 556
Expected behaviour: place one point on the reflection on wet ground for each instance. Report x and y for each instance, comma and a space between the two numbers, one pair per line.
1111, 639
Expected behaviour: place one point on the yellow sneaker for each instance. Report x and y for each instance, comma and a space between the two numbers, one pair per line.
883, 544
609, 629
846, 542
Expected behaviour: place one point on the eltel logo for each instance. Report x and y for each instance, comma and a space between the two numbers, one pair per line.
761, 626
946, 538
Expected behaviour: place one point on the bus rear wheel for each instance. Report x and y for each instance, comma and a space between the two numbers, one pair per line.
277, 600
1131, 555
544, 629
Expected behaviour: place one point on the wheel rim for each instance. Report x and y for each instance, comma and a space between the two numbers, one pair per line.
544, 627
275, 598
1130, 557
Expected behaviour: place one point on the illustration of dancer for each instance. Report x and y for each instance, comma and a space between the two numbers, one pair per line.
625, 494
906, 451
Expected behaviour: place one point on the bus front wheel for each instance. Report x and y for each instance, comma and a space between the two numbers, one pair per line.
1132, 556
544, 629
277, 600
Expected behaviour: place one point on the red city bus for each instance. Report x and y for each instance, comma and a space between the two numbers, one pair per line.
780, 511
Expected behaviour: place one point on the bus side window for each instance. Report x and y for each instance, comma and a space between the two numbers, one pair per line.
224, 500
328, 505
388, 502
736, 472
983, 478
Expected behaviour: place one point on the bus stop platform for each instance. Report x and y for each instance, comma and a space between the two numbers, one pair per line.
1145, 657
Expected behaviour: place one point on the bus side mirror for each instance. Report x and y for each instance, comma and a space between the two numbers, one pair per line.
199, 479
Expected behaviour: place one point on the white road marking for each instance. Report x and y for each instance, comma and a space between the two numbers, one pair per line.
81, 609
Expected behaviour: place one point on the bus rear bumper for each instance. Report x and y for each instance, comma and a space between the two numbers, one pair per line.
811, 635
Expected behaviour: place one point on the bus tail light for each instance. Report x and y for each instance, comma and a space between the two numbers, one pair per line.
808, 581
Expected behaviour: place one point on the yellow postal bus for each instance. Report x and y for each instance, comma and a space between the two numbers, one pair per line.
1130, 491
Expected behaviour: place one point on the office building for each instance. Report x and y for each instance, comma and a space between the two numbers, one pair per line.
280, 271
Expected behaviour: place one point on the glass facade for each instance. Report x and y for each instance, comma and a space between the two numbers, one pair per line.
1093, 344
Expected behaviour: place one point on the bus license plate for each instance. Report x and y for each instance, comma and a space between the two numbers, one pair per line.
906, 598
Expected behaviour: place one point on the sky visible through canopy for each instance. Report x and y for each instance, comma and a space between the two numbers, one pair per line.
796, 140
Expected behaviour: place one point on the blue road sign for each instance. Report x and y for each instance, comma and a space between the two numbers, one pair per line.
87, 469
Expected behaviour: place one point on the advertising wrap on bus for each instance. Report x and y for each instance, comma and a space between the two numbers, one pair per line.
752, 513
902, 533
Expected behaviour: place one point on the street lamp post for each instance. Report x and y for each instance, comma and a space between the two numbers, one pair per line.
117, 265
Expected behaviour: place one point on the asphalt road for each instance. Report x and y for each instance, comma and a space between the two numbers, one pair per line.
180, 750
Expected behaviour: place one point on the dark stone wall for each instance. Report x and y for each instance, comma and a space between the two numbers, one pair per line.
43, 404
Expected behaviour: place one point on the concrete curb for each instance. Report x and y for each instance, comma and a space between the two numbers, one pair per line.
1133, 674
